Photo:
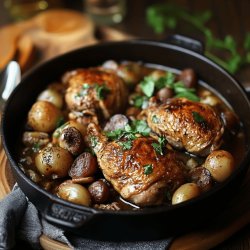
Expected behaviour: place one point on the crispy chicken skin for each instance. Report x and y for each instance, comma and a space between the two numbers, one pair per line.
95, 91
193, 126
125, 169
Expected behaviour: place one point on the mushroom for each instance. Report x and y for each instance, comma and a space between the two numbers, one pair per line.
117, 121
85, 165
72, 140
188, 77
99, 192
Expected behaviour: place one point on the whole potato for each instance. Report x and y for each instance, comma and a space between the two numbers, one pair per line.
220, 164
75, 193
186, 192
44, 116
53, 162
52, 96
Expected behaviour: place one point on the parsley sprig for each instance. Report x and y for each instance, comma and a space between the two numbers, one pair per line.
148, 169
158, 147
198, 117
101, 90
129, 133
149, 85
165, 15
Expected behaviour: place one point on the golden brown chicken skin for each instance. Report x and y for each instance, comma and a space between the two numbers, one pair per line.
192, 126
95, 91
139, 174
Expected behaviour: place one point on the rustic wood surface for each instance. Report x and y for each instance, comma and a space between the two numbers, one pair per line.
229, 17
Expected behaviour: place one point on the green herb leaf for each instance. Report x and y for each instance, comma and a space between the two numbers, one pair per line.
166, 15
148, 169
126, 145
60, 122
197, 117
115, 134
155, 119
93, 141
148, 86
102, 91
85, 86
140, 101
158, 147
36, 147
247, 41
129, 132
141, 127
189, 95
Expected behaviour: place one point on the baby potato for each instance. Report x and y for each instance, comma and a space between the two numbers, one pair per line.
52, 96
44, 116
220, 164
75, 193
53, 161
186, 192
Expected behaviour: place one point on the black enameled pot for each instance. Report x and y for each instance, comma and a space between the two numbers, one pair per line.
145, 224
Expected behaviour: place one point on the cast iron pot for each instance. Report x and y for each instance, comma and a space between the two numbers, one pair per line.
145, 224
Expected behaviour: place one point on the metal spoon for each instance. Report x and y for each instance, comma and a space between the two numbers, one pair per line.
9, 78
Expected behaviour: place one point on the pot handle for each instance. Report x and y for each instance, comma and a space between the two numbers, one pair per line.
67, 217
186, 42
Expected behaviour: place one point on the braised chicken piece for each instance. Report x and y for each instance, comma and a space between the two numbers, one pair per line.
93, 93
188, 125
139, 174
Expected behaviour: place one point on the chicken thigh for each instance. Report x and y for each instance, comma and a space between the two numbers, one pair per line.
139, 174
193, 126
95, 92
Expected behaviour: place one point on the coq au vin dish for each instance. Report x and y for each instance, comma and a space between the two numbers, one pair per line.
127, 135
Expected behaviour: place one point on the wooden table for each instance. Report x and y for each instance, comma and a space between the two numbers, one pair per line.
229, 17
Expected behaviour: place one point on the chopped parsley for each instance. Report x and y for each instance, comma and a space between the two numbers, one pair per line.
101, 91
83, 91
36, 147
93, 141
149, 85
129, 133
126, 145
59, 129
197, 117
60, 121
158, 147
155, 119
148, 169
140, 101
